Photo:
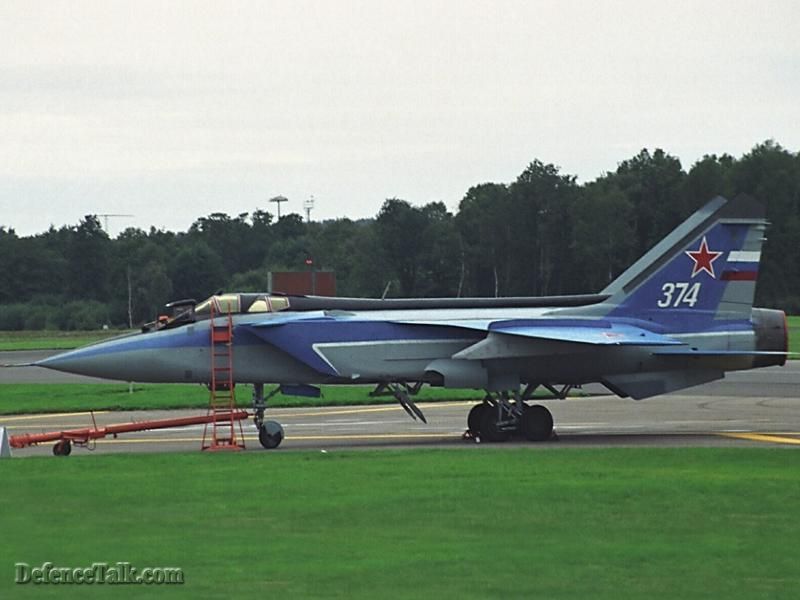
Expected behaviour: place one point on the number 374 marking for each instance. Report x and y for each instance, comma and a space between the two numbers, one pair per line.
676, 294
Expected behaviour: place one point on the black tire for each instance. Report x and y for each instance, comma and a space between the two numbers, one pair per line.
62, 448
536, 423
270, 435
489, 429
475, 418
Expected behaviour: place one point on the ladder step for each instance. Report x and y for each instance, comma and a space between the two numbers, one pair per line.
221, 432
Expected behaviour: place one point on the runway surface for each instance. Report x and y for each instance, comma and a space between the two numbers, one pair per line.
750, 408
673, 420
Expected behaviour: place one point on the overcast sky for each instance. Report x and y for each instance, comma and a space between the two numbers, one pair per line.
170, 110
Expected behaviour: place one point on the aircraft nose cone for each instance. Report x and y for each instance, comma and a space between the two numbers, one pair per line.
54, 362
108, 360
72, 361
137, 357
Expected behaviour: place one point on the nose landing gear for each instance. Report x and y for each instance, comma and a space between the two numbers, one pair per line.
270, 433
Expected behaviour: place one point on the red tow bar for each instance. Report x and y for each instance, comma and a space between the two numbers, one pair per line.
81, 437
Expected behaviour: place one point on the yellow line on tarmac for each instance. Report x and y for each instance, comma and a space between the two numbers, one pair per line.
52, 415
762, 437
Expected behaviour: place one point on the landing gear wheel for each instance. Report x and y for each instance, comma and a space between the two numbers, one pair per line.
490, 431
536, 423
270, 434
62, 448
475, 418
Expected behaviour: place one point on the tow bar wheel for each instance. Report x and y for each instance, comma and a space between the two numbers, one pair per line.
62, 448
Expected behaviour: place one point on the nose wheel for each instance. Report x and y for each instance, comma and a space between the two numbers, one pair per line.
270, 433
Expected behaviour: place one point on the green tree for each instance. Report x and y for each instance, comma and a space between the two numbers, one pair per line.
772, 174
399, 227
652, 183
541, 203
228, 238
87, 254
485, 229
197, 271
602, 242
709, 177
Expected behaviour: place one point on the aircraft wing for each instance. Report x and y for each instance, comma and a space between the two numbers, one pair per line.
320, 341
580, 331
327, 342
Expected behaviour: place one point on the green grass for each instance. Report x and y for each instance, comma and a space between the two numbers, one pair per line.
794, 335
52, 340
471, 523
20, 398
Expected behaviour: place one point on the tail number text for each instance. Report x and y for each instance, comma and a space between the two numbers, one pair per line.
676, 294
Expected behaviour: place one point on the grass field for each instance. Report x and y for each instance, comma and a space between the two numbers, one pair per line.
794, 335
478, 523
51, 340
19, 398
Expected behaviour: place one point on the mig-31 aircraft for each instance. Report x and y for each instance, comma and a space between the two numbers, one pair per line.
680, 316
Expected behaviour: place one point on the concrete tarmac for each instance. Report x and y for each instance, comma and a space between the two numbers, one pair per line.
672, 420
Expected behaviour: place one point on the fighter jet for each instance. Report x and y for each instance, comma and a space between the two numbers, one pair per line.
680, 316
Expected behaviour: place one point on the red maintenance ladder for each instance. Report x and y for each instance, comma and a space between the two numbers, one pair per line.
220, 432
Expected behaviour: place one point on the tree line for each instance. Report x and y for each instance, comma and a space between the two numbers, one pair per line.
542, 234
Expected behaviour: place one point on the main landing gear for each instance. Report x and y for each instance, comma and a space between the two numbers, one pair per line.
502, 415
270, 433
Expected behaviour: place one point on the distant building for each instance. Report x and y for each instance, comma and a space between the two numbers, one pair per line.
302, 283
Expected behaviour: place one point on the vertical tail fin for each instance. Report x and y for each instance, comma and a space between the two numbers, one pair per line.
703, 272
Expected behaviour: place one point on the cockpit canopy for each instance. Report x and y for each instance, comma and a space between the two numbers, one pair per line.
188, 311
242, 303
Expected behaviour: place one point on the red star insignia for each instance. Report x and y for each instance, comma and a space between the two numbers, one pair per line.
703, 259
